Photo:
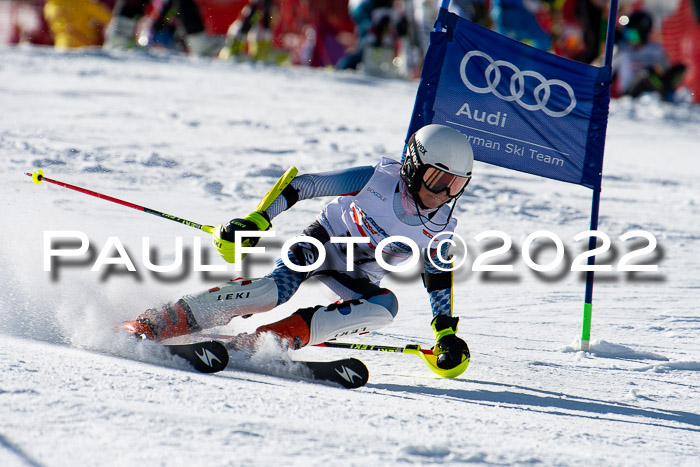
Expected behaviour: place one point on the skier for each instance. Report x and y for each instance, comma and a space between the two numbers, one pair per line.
390, 199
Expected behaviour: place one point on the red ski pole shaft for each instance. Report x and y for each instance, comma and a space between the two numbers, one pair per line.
39, 177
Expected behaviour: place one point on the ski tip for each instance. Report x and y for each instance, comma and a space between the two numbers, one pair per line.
363, 373
205, 357
350, 373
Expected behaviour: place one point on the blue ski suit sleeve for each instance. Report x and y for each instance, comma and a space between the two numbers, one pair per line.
336, 183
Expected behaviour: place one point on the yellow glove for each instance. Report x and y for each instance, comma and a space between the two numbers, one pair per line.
450, 349
224, 236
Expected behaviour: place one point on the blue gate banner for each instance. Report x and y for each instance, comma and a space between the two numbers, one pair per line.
520, 107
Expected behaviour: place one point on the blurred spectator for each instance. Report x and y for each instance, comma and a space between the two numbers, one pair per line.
681, 36
302, 32
22, 21
567, 29
423, 13
641, 65
361, 14
511, 18
251, 33
578, 29
314, 32
328, 32
378, 26
476, 11
120, 33
77, 23
126, 13
589, 16
218, 15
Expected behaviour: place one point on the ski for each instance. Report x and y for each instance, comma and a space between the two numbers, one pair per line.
205, 356
350, 373
212, 357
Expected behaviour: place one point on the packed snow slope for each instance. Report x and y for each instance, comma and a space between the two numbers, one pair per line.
203, 140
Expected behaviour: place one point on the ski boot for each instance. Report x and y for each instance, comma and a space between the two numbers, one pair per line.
291, 332
171, 321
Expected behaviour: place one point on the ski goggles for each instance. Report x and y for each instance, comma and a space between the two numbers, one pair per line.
437, 181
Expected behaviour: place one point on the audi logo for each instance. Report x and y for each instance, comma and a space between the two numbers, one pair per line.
541, 93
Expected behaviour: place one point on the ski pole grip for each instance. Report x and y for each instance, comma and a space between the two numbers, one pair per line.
37, 177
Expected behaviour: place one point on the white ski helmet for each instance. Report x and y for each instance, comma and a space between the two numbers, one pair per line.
440, 158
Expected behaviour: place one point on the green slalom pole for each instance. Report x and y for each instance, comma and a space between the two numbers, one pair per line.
586, 327
595, 202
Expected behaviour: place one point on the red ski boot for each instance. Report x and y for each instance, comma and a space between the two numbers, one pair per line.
171, 321
292, 332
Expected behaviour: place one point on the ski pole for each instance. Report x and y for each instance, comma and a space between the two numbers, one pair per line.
410, 349
427, 355
39, 177
266, 201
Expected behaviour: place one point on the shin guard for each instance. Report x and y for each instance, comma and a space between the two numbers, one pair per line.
345, 319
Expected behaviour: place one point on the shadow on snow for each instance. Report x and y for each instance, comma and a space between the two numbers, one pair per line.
542, 400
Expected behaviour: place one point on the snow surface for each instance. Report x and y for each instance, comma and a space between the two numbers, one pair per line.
204, 140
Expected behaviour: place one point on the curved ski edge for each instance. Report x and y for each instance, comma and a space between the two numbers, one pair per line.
350, 373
